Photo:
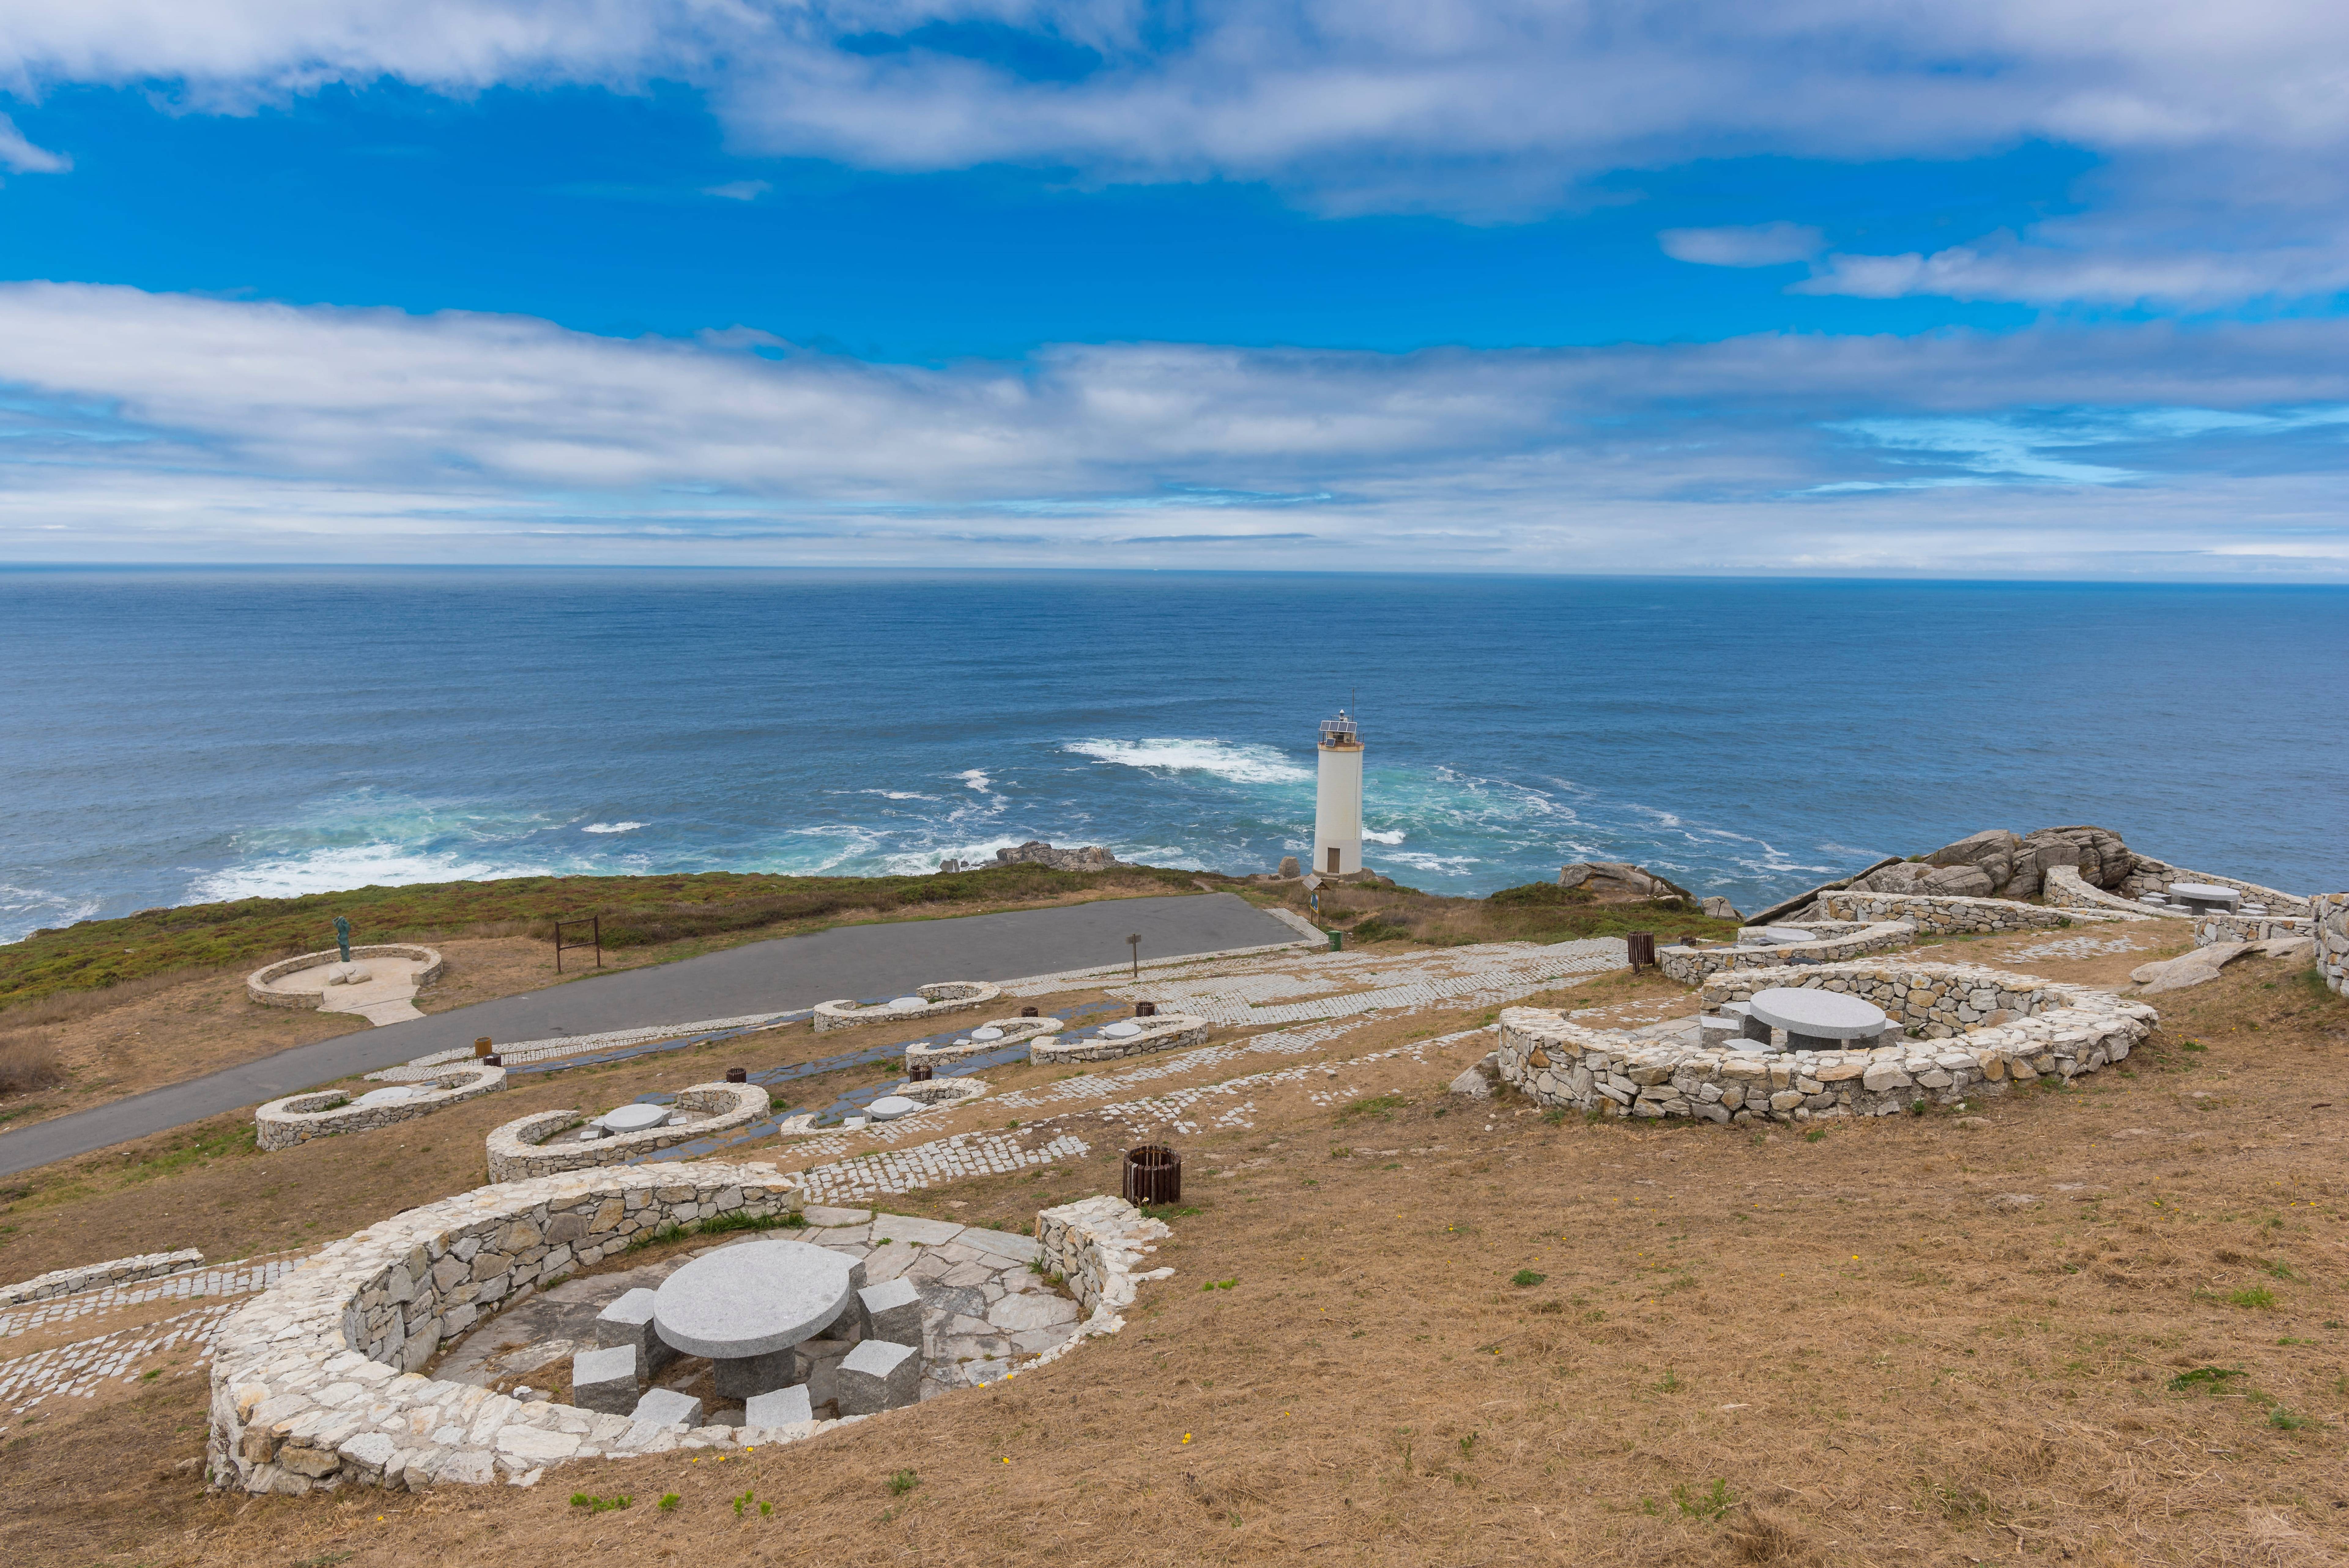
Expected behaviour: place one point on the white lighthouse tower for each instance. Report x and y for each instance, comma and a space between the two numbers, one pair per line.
1338, 799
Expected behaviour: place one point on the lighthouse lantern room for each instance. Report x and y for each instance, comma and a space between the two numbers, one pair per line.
1338, 799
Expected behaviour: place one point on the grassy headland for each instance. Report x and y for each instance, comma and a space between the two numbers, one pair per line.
637, 911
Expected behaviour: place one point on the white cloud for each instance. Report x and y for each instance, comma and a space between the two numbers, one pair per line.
738, 190
22, 157
159, 427
1486, 107
1757, 245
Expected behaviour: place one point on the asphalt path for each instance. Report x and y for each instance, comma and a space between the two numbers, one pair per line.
865, 961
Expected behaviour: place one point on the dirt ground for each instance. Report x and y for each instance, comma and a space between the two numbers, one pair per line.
1411, 1329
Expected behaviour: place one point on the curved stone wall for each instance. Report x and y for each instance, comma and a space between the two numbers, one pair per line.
2209, 929
314, 1383
1991, 1028
1691, 966
2330, 912
2150, 875
1945, 916
1014, 1031
940, 997
299, 1118
92, 1276
518, 1150
1166, 1032
2065, 889
256, 984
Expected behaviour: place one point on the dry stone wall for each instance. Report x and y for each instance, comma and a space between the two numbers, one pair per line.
1095, 1244
1845, 939
2329, 914
2150, 875
1014, 1031
256, 984
96, 1276
1166, 1032
938, 999
2063, 890
519, 1151
315, 1383
1984, 1030
299, 1118
1946, 916
2211, 929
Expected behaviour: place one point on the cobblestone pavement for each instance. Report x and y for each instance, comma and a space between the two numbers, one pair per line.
225, 1279
947, 1160
1191, 1110
1338, 984
79, 1369
2085, 946
1389, 984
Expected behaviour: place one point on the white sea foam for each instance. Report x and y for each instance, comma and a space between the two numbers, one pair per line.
1239, 763
908, 794
1373, 836
1448, 865
973, 778
331, 869
610, 826
25, 910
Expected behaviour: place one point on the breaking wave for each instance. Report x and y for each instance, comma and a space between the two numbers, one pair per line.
1238, 763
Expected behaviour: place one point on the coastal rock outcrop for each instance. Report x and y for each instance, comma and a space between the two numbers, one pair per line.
1996, 863
1037, 852
1619, 881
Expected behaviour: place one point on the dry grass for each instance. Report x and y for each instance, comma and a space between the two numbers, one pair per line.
27, 1063
1743, 1348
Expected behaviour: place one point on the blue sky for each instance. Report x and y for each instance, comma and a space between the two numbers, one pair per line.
1539, 285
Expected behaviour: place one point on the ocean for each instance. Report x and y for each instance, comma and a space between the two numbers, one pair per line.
170, 736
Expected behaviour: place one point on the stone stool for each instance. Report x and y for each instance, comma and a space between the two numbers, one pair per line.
778, 1408
893, 1311
629, 1321
878, 1376
1720, 1029
606, 1380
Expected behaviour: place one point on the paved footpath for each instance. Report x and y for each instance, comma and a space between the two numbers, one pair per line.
858, 961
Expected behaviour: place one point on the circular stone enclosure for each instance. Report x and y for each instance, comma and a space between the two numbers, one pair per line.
299, 1118
1976, 1031
522, 1149
314, 1382
938, 998
258, 985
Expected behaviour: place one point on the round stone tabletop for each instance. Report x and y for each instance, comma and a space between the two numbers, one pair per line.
1823, 1015
1123, 1030
750, 1299
890, 1106
2203, 893
636, 1117
393, 1094
989, 1032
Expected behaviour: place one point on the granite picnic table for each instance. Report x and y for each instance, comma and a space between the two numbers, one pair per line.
1814, 1020
747, 1309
